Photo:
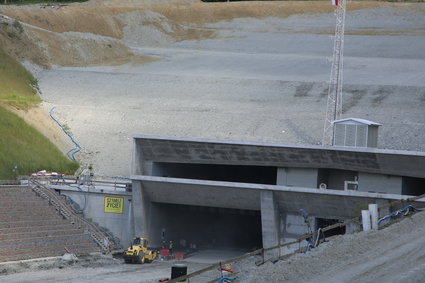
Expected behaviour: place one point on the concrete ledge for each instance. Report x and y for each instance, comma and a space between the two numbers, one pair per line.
320, 203
250, 186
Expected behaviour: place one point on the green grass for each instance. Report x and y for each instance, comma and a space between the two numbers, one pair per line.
25, 147
17, 85
20, 144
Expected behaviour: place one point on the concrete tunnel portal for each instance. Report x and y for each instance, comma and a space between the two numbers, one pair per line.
201, 227
223, 194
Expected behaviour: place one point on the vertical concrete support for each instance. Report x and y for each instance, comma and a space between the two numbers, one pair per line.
366, 220
141, 211
373, 210
137, 159
270, 222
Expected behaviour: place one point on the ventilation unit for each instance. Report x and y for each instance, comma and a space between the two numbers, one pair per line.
355, 133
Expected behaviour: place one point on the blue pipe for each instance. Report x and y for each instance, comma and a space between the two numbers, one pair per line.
398, 212
71, 153
225, 278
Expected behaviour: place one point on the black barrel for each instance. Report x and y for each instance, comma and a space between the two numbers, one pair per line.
178, 270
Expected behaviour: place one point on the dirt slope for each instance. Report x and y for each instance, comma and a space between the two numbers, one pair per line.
394, 254
91, 33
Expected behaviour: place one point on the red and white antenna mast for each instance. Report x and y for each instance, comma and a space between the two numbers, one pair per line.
334, 105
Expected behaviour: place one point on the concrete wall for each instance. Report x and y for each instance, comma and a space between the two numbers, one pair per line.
379, 183
295, 226
120, 225
297, 177
334, 179
280, 226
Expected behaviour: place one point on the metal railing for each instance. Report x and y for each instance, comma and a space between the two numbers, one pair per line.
68, 213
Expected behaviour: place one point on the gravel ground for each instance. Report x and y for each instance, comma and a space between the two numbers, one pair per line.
259, 80
389, 255
105, 268
393, 254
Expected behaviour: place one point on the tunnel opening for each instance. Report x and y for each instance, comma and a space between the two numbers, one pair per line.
413, 186
325, 222
228, 173
200, 227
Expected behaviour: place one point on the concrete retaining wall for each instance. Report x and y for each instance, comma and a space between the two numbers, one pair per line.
119, 224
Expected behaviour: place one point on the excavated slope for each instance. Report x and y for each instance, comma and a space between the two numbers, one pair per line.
254, 71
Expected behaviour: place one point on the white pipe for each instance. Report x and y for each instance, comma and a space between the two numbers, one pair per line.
373, 210
366, 220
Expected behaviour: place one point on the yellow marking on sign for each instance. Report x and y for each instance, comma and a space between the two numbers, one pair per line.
113, 205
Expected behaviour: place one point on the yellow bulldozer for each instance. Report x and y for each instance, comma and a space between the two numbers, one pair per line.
138, 252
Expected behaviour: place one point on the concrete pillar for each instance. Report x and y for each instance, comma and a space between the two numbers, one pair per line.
270, 220
373, 210
366, 220
136, 159
141, 211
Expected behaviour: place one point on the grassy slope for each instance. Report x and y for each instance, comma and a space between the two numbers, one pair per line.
20, 144
16, 83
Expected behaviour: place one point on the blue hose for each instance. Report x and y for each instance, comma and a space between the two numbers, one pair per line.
406, 209
71, 153
225, 278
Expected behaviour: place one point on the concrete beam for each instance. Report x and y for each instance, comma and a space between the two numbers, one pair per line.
333, 204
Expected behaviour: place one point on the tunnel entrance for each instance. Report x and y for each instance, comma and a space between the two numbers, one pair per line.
324, 222
199, 227
228, 173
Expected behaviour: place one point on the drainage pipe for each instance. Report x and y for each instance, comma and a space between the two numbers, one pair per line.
71, 153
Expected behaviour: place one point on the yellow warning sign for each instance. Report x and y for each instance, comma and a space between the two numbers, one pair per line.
113, 205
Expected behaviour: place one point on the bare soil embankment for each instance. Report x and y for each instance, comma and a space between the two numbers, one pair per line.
389, 255
252, 71
92, 33
244, 71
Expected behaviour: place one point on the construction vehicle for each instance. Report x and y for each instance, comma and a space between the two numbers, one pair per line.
138, 252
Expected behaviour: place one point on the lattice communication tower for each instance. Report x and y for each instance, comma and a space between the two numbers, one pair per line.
334, 104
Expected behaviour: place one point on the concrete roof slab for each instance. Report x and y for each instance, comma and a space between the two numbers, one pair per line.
204, 151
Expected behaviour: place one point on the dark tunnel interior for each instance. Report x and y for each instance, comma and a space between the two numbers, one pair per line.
206, 227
